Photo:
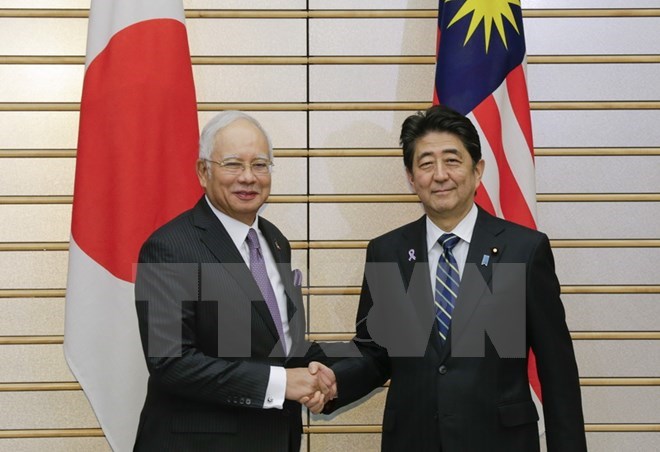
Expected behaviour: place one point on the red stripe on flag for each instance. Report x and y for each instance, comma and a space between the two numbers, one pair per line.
436, 96
533, 376
137, 144
516, 86
514, 207
512, 201
482, 198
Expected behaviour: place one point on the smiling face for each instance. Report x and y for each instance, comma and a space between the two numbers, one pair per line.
444, 177
238, 195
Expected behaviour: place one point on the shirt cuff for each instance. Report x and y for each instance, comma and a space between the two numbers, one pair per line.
276, 389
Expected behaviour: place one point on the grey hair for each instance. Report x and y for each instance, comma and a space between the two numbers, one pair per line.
219, 122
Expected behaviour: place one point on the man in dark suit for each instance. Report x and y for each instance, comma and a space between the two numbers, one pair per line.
220, 312
440, 400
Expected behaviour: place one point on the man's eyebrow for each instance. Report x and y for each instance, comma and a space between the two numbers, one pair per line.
238, 157
450, 151
444, 151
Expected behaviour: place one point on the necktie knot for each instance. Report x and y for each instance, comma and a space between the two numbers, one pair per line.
448, 241
252, 240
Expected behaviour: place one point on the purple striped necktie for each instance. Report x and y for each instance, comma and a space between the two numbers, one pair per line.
258, 269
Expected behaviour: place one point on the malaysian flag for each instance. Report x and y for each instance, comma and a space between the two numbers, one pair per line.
480, 72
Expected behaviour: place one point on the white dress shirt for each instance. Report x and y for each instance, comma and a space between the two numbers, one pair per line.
463, 230
238, 231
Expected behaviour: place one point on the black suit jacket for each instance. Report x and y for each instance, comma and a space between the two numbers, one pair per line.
437, 401
209, 341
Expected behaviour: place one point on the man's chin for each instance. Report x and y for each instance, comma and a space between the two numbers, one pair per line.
443, 209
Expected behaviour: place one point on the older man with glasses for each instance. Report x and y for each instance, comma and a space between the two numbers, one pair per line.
221, 315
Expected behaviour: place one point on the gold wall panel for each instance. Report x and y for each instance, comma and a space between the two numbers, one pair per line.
55, 445
332, 313
31, 316
357, 221
33, 269
33, 363
57, 409
34, 223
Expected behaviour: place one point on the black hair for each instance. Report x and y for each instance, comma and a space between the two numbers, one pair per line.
438, 118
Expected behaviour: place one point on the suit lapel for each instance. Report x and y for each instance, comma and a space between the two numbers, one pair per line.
414, 253
214, 235
216, 238
485, 242
414, 248
283, 261
486, 248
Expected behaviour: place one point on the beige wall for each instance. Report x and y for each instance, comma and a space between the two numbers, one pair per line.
593, 81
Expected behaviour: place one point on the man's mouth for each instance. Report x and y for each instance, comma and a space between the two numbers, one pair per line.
246, 195
442, 191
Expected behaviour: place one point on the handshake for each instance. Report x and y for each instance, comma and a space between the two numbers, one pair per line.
312, 386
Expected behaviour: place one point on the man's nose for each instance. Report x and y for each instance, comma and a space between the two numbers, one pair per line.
440, 172
247, 175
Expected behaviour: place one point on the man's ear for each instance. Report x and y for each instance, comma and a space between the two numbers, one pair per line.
479, 170
409, 176
202, 172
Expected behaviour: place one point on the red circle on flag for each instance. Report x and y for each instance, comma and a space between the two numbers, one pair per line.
137, 144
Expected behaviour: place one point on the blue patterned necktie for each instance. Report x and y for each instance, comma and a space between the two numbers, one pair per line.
447, 281
258, 269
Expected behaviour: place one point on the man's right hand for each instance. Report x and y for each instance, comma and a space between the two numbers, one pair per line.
300, 383
311, 386
326, 378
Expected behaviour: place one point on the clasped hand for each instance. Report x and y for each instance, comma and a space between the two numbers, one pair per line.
312, 386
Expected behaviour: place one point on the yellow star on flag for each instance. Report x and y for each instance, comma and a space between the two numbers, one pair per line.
490, 12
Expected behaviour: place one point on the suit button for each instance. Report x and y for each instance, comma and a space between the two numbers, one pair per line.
270, 399
242, 401
442, 370
248, 401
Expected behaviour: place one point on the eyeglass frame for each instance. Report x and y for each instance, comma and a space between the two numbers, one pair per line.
223, 164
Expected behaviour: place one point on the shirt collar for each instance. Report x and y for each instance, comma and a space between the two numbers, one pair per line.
463, 229
237, 230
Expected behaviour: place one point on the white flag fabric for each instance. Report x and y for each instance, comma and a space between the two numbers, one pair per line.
135, 170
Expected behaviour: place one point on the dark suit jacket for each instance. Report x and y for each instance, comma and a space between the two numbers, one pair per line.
209, 341
437, 401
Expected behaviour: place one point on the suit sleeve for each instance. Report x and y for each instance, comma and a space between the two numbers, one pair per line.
167, 306
555, 359
357, 377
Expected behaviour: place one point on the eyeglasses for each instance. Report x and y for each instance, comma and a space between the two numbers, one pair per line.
260, 167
